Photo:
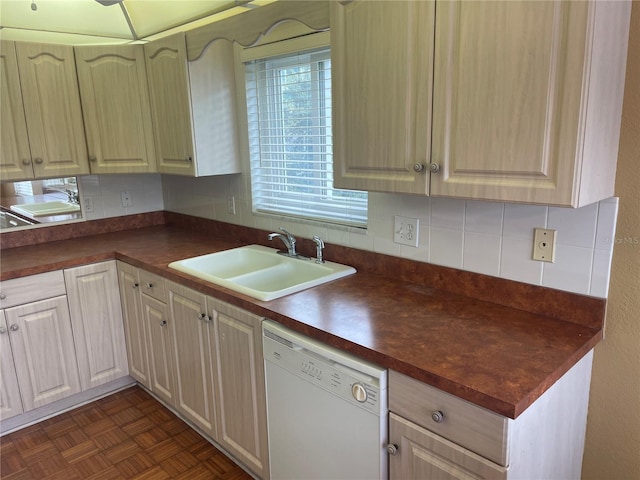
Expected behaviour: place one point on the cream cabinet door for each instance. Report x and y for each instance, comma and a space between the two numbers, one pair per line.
15, 156
422, 454
192, 356
171, 104
158, 330
507, 93
52, 109
116, 110
10, 400
129, 282
194, 107
43, 351
239, 385
382, 62
96, 316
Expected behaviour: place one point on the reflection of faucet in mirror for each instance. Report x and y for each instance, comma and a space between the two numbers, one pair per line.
73, 196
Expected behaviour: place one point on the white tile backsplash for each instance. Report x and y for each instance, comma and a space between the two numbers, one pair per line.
493, 238
571, 270
481, 253
574, 226
104, 190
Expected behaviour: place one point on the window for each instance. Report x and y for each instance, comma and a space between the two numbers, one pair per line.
289, 117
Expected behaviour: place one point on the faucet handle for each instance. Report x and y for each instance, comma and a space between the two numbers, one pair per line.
319, 246
288, 234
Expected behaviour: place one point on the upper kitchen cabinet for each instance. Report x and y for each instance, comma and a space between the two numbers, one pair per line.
115, 105
526, 98
52, 111
382, 63
15, 156
193, 107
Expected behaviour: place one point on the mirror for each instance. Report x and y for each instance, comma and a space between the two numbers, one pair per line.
36, 202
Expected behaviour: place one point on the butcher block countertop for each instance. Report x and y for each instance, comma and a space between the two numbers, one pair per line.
495, 343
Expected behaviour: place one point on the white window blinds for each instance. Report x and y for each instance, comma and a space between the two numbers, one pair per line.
289, 117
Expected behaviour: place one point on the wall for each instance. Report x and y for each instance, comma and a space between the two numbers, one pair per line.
613, 428
485, 237
102, 192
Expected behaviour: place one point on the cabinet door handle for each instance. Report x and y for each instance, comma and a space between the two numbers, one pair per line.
14, 327
2, 296
434, 167
93, 158
38, 160
392, 449
149, 285
3, 330
437, 416
205, 317
26, 161
418, 167
163, 323
188, 159
135, 285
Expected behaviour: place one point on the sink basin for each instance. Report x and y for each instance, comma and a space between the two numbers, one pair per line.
261, 272
45, 208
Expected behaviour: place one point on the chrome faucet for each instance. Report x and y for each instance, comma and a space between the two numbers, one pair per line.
319, 247
288, 239
73, 196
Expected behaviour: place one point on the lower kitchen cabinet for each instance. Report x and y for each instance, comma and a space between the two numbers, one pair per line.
239, 385
192, 355
43, 351
10, 401
158, 330
96, 316
434, 435
425, 455
136, 344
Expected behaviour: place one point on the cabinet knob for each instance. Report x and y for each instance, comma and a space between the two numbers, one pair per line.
2, 296
135, 285
437, 416
188, 159
392, 449
434, 167
14, 327
3, 330
418, 167
38, 160
205, 317
93, 158
26, 161
149, 285
163, 323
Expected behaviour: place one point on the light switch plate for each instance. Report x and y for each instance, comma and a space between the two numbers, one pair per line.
405, 231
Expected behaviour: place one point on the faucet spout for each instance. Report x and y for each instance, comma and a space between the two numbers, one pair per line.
288, 239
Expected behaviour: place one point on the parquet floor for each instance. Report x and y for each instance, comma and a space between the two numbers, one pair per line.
127, 435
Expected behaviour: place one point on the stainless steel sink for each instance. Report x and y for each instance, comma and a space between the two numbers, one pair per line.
261, 272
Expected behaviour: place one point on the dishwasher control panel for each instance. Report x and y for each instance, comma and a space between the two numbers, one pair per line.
340, 373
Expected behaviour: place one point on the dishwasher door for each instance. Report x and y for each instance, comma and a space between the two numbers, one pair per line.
317, 429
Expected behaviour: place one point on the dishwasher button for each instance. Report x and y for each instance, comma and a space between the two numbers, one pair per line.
359, 393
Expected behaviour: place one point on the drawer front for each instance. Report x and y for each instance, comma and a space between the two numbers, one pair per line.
153, 285
464, 423
19, 291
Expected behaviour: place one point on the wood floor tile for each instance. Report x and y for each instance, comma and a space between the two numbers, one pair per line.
128, 435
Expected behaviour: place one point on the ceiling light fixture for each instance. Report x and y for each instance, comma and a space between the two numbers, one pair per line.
108, 3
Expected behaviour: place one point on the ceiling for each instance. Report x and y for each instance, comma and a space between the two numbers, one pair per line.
110, 21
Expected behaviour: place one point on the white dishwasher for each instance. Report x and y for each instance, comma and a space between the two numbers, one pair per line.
326, 410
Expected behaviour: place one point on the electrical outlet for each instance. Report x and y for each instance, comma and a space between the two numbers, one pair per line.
87, 203
544, 244
127, 199
405, 231
231, 205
